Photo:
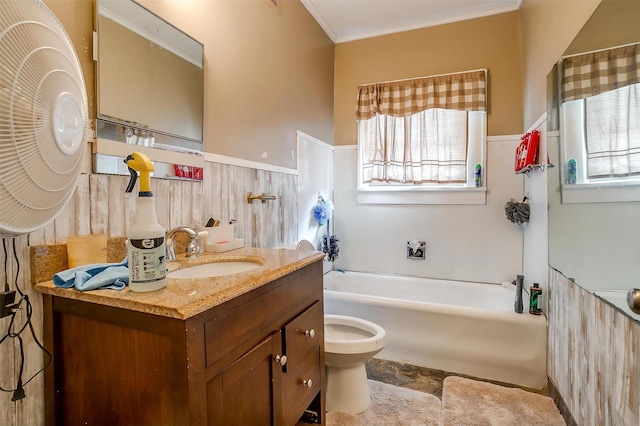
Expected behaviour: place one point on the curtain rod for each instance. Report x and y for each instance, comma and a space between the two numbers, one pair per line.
598, 50
426, 76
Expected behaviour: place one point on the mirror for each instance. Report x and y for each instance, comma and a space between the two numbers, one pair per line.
597, 244
149, 91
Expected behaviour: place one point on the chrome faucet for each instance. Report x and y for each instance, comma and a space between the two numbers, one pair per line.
192, 248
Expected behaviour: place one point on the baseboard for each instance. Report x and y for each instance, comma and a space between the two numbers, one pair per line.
562, 406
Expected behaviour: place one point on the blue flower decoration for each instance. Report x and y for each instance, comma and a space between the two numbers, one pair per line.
323, 211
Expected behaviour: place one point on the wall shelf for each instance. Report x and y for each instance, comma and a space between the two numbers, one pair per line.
530, 167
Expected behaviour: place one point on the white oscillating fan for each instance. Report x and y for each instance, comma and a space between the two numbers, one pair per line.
43, 117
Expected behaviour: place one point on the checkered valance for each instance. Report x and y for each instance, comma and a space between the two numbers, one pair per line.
464, 91
598, 72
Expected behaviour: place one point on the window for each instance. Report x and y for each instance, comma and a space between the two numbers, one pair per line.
600, 121
602, 134
426, 147
424, 134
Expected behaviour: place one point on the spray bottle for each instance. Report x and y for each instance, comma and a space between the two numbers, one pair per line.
478, 175
146, 246
571, 172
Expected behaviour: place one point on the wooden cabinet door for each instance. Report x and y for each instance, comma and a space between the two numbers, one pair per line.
249, 391
304, 338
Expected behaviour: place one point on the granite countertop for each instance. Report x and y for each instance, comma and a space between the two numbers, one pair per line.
183, 298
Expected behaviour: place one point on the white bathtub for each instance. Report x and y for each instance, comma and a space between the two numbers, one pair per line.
460, 327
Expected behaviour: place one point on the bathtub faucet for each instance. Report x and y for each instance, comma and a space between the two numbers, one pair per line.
518, 304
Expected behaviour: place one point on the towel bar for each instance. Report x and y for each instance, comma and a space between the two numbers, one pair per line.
262, 197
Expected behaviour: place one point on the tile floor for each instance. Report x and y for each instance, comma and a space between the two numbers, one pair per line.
419, 378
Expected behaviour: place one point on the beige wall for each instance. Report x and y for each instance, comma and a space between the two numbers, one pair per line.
548, 26
77, 18
282, 55
268, 73
614, 23
491, 42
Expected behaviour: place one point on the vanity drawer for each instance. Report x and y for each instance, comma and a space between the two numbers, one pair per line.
232, 333
302, 334
297, 392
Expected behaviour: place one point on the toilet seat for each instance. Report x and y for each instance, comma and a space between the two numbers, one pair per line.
342, 335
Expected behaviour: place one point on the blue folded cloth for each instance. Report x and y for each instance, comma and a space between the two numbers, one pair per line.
113, 276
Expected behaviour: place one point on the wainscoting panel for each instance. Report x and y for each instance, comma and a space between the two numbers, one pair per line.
594, 355
100, 205
29, 410
269, 224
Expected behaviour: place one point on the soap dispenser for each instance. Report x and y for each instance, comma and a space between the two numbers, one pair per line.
146, 237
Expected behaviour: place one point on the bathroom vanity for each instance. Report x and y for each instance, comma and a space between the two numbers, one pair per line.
243, 349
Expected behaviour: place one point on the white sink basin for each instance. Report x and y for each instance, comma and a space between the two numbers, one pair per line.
214, 269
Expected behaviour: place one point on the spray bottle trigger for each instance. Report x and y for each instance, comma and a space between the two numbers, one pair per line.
133, 173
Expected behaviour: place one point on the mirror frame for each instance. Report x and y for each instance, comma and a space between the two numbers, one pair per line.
174, 156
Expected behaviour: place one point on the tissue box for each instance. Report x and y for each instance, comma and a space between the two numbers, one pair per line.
230, 245
220, 239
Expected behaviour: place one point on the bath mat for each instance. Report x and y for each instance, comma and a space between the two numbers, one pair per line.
392, 405
471, 402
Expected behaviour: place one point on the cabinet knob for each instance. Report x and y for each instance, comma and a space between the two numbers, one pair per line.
310, 333
280, 359
307, 383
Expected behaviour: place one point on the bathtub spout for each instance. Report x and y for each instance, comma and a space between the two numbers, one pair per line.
518, 304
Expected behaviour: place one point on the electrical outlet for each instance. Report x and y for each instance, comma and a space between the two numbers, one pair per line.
7, 303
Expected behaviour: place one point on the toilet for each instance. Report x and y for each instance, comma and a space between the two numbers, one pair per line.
348, 343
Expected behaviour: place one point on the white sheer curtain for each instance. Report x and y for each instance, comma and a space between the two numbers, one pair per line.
426, 147
613, 133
